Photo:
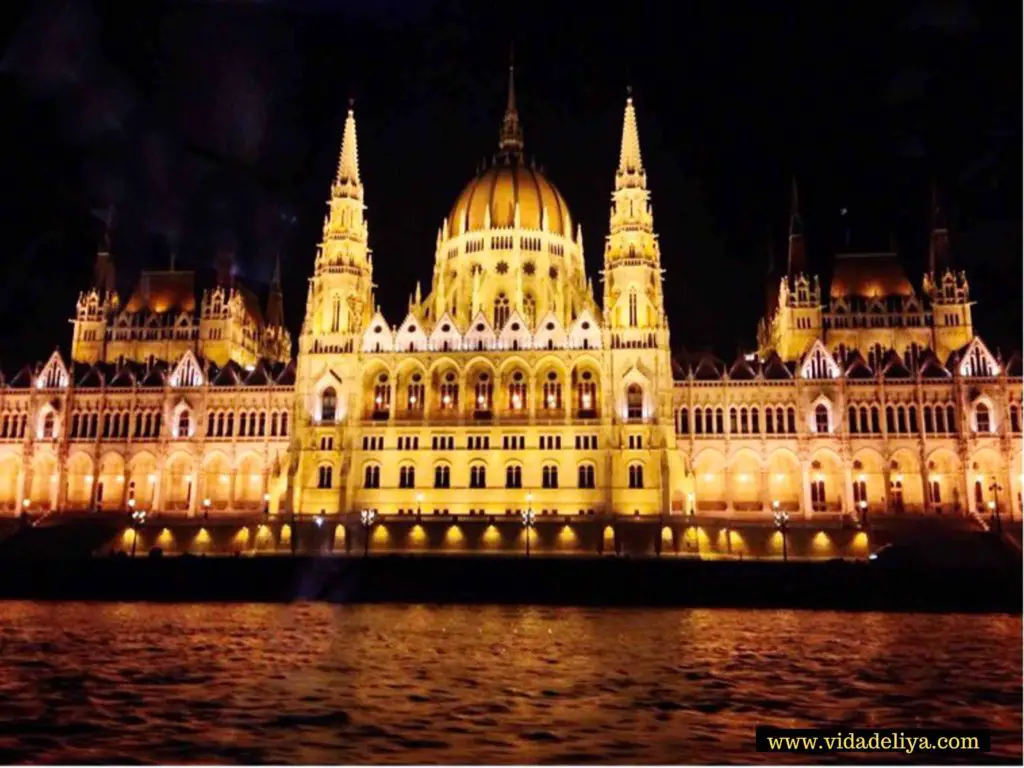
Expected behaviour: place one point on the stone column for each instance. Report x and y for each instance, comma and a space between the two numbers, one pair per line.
805, 482
157, 486
764, 495
847, 495
727, 488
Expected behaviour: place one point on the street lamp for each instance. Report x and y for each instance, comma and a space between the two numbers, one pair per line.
782, 523
206, 509
419, 507
367, 517
692, 521
528, 520
994, 504
138, 518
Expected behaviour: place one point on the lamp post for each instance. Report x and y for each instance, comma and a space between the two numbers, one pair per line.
419, 507
862, 506
367, 518
206, 509
528, 520
782, 523
138, 518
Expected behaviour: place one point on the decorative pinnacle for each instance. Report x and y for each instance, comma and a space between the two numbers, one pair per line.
348, 164
629, 154
511, 138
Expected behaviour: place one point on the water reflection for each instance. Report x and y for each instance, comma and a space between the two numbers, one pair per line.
326, 684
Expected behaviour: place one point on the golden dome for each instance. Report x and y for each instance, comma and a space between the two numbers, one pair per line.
498, 189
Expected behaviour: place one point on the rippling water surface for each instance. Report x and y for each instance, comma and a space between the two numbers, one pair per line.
415, 684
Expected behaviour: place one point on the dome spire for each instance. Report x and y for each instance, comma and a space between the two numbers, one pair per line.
511, 140
629, 153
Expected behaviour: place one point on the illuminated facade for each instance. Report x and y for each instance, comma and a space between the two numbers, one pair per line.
512, 386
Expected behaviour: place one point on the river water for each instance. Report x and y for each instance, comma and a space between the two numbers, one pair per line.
315, 683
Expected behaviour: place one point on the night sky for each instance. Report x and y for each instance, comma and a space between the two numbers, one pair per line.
215, 126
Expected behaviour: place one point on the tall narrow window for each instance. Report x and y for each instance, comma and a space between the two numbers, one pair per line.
328, 404
586, 476
324, 476
636, 476
634, 402
549, 476
982, 418
371, 476
632, 309
821, 419
336, 314
442, 476
513, 476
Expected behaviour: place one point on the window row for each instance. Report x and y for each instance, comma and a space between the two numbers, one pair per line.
586, 476
13, 425
250, 424
711, 421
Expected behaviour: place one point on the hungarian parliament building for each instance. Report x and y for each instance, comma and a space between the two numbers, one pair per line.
512, 386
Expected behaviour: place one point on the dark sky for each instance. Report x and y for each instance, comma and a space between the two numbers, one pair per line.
216, 125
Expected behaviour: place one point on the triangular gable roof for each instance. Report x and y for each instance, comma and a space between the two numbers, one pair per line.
123, 377
258, 376
708, 368
741, 370
931, 368
857, 367
411, 334
378, 335
895, 368
188, 372
479, 333
550, 333
228, 376
91, 377
818, 363
774, 369
287, 375
585, 328
976, 360
446, 330
515, 331
54, 374
23, 378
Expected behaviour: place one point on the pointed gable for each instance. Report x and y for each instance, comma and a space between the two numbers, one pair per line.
774, 369
155, 375
258, 376
585, 332
818, 363
895, 368
977, 361
228, 376
480, 335
550, 333
410, 336
378, 336
931, 368
91, 377
741, 370
445, 335
286, 377
515, 334
23, 378
709, 368
123, 377
188, 372
857, 367
54, 374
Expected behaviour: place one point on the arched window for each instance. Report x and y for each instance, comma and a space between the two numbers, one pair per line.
184, 424
449, 392
632, 309
719, 421
951, 425
875, 427
414, 393
325, 474
636, 475
790, 419
210, 423
407, 476
755, 421
371, 476
853, 420
1014, 418
513, 476
263, 423
864, 419
442, 476
769, 421
821, 419
586, 476
478, 476
734, 426
517, 392
284, 424
49, 424
483, 394
501, 311
552, 396
982, 418
901, 419
328, 405
890, 419
586, 395
549, 476
634, 401
381, 396
683, 421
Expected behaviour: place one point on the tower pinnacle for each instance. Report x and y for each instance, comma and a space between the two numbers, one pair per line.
629, 154
348, 164
510, 141
275, 300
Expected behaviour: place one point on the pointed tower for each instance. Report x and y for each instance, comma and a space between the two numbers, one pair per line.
277, 342
97, 305
633, 302
948, 291
795, 320
510, 140
342, 295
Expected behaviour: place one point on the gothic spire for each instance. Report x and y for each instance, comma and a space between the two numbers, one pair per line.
510, 142
275, 300
348, 163
938, 247
796, 261
629, 153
